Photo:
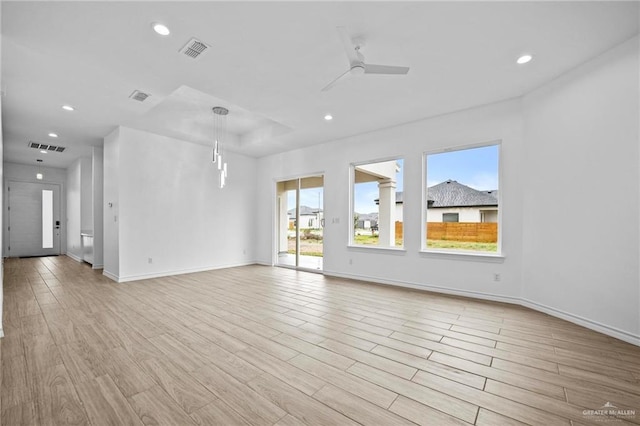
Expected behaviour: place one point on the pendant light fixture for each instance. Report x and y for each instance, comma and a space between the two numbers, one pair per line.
39, 175
219, 135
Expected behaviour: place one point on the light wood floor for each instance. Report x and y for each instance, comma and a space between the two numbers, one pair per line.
271, 346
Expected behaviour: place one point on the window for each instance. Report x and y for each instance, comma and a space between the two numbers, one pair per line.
451, 217
47, 218
461, 200
377, 204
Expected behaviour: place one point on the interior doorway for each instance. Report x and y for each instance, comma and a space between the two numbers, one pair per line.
33, 225
300, 222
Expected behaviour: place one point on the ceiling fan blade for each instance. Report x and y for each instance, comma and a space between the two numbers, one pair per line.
384, 69
342, 76
349, 47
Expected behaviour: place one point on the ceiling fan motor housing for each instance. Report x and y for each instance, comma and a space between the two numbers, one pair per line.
357, 69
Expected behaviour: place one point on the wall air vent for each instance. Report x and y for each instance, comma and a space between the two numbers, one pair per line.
194, 48
139, 96
46, 147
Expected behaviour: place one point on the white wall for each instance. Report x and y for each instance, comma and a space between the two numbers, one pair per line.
74, 210
111, 205
465, 214
582, 153
462, 274
86, 195
25, 173
173, 216
97, 189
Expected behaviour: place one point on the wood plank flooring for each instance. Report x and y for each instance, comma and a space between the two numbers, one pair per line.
270, 346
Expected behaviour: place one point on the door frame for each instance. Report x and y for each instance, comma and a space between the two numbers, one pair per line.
5, 217
276, 221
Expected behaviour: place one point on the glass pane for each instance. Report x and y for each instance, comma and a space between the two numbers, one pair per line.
462, 199
311, 222
378, 204
287, 215
47, 218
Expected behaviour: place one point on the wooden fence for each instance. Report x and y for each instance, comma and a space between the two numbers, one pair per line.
458, 231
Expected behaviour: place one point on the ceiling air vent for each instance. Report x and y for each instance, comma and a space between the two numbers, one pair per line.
46, 147
194, 48
139, 96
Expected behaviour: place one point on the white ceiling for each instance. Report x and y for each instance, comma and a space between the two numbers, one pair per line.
268, 62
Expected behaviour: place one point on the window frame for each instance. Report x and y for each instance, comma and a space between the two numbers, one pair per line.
499, 254
352, 194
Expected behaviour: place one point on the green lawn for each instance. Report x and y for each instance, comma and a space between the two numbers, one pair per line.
312, 247
462, 245
370, 240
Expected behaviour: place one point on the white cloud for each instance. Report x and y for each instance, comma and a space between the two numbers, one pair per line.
483, 182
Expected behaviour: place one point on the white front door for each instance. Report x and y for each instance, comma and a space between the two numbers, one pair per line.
34, 219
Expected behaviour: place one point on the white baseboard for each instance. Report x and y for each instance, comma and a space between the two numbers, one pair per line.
585, 322
74, 257
1, 333
434, 288
128, 278
97, 266
110, 275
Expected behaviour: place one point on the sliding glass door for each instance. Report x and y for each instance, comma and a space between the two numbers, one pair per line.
300, 222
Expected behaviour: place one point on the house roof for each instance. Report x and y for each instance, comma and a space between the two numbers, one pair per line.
492, 192
399, 198
368, 216
450, 193
304, 211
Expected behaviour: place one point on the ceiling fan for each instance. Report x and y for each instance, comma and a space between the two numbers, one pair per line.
357, 65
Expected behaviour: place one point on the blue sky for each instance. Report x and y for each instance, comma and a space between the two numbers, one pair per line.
476, 167
365, 193
308, 197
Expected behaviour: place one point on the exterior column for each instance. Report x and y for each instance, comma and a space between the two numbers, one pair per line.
387, 213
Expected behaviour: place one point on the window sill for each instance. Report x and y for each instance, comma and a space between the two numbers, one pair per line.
460, 255
395, 250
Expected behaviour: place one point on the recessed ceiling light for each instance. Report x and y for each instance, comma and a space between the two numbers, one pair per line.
328, 117
39, 176
53, 135
524, 59
160, 29
68, 108
42, 151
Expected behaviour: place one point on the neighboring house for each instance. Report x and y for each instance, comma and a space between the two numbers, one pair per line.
366, 220
451, 201
309, 217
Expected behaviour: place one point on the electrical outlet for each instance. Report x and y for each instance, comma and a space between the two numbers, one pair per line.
350, 261
496, 276
150, 260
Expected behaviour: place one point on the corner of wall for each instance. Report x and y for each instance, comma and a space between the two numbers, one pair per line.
582, 162
110, 204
